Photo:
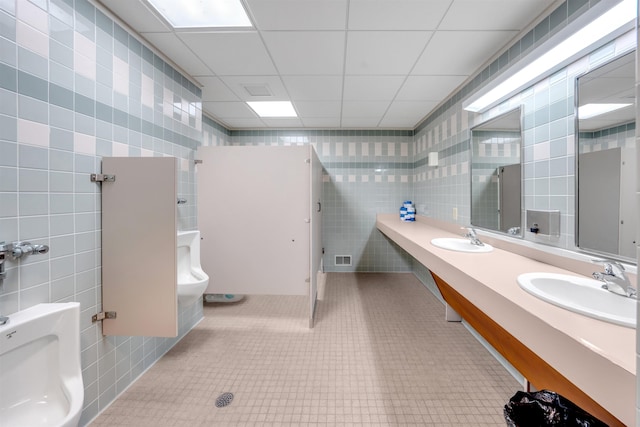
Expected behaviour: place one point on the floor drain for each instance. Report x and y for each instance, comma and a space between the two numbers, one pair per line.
224, 399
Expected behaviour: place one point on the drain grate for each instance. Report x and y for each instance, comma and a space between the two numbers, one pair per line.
224, 399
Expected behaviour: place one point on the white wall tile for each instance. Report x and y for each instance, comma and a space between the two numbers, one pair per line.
121, 77
84, 144
33, 133
33, 16
32, 39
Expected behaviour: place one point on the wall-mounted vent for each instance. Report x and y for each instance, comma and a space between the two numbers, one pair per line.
343, 260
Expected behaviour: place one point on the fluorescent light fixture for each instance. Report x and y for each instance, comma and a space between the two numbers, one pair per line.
588, 111
273, 108
613, 19
202, 13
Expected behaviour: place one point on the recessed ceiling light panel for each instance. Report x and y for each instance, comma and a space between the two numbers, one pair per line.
273, 108
202, 13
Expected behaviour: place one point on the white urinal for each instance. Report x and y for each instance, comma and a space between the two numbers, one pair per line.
40, 372
192, 280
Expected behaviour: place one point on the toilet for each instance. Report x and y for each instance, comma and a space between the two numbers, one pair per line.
192, 280
40, 370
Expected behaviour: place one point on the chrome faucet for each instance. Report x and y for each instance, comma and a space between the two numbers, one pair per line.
615, 280
473, 237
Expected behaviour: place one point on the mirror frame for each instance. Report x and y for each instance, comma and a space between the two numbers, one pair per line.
576, 119
520, 109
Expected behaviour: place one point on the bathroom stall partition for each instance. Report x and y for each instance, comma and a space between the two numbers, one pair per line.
139, 267
259, 214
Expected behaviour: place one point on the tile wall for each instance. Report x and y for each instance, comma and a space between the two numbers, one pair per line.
76, 86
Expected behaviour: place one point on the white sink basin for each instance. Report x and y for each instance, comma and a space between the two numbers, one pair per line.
460, 245
581, 295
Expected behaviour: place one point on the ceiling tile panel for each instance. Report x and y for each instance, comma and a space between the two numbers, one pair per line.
472, 49
384, 52
306, 52
341, 62
318, 108
373, 109
305, 15
406, 114
320, 88
396, 14
213, 89
231, 53
371, 88
493, 14
428, 88
173, 47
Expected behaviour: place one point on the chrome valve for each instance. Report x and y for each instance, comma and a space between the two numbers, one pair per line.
24, 248
16, 250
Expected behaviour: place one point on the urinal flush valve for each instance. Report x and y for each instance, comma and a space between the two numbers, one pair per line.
16, 250
25, 248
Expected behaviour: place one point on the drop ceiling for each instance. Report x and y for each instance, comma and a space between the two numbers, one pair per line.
344, 64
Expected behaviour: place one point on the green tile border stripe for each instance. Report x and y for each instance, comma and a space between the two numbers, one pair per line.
609, 131
368, 165
321, 133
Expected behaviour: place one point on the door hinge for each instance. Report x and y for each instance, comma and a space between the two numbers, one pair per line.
103, 315
98, 177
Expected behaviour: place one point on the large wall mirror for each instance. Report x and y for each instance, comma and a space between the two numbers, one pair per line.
496, 185
606, 178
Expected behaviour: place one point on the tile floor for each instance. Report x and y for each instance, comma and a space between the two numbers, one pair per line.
381, 354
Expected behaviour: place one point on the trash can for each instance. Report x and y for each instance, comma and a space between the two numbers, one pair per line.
546, 408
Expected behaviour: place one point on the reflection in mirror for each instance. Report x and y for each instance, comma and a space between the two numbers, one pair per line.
496, 187
606, 211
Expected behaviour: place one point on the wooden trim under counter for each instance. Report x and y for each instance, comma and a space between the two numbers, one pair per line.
535, 370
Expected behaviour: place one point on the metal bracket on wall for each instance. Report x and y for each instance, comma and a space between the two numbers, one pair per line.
98, 177
103, 315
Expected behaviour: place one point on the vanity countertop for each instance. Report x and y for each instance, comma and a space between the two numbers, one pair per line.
598, 357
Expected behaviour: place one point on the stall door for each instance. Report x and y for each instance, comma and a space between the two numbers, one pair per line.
254, 219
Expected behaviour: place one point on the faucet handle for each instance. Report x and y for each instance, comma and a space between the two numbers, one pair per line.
609, 265
470, 231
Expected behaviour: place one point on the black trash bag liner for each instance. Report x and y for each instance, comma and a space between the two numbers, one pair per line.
546, 408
